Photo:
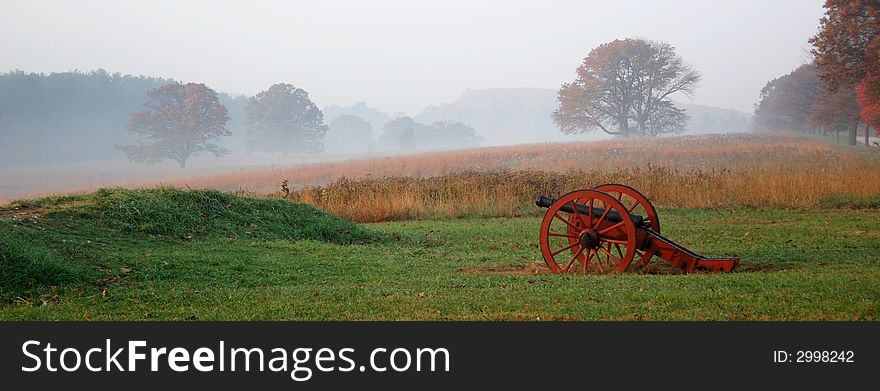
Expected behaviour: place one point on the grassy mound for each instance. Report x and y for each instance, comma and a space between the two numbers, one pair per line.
26, 262
191, 213
51, 241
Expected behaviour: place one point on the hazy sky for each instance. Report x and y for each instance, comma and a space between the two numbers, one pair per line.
402, 55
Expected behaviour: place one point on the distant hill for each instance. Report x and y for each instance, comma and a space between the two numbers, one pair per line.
502, 115
523, 115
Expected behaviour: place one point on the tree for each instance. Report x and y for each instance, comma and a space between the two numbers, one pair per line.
625, 87
374, 116
766, 116
868, 97
835, 111
349, 133
399, 133
664, 118
284, 119
846, 45
65, 117
178, 121
454, 134
787, 102
405, 134
847, 49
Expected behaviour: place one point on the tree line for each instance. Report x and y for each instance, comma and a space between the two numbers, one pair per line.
77, 116
180, 121
64, 117
839, 90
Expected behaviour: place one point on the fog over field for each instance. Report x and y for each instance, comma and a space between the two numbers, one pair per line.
440, 160
388, 77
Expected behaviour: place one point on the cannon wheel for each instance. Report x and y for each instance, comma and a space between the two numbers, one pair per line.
591, 246
636, 203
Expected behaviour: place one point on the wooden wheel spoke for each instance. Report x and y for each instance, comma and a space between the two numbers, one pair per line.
599, 262
606, 251
569, 223
633, 207
587, 259
617, 260
607, 260
601, 219
612, 227
570, 262
616, 248
566, 222
555, 253
580, 217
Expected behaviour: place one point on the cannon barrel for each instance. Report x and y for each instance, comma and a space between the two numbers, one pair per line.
545, 202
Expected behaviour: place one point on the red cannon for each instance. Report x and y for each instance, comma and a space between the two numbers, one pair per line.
608, 228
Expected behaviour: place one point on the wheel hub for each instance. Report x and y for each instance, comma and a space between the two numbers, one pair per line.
588, 238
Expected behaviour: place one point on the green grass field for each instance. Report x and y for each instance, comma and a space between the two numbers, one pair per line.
134, 255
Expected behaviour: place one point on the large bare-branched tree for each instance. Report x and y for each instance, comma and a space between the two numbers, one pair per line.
284, 119
624, 87
178, 121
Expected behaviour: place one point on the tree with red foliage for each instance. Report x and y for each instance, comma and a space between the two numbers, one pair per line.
835, 112
868, 96
846, 45
847, 48
177, 122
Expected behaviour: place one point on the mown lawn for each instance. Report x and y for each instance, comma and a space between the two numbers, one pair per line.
797, 264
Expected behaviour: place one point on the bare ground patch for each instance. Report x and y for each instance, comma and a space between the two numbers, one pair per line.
14, 211
524, 270
655, 268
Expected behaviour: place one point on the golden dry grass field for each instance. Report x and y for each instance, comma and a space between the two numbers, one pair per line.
688, 172
684, 171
